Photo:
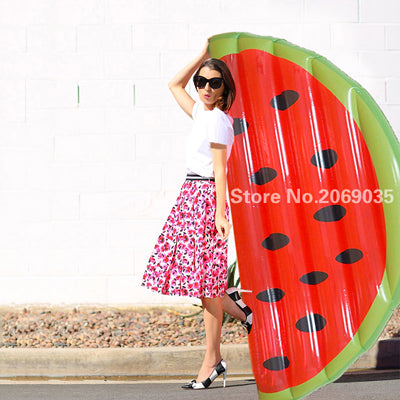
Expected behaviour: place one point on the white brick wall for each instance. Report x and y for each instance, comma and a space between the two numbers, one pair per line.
86, 184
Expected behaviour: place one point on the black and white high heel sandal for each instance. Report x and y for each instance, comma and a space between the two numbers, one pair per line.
221, 368
233, 293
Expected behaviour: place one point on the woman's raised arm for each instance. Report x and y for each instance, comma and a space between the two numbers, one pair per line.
179, 81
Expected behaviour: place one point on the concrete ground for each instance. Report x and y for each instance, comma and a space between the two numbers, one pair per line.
357, 385
108, 374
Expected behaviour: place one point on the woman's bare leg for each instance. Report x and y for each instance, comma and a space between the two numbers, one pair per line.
231, 308
213, 323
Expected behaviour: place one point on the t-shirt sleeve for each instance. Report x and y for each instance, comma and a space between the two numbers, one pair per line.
220, 129
195, 110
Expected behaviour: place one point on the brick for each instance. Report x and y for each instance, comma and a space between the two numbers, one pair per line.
174, 61
164, 200
126, 11
162, 37
115, 261
78, 234
200, 31
51, 38
12, 206
25, 206
16, 290
376, 87
68, 290
74, 177
380, 64
393, 91
90, 120
12, 167
358, 36
16, 65
132, 65
65, 206
67, 148
290, 32
392, 37
56, 121
13, 262
316, 37
21, 12
51, 65
93, 148
38, 176
173, 175
12, 100
52, 262
93, 205
120, 148
82, 148
392, 113
51, 93
133, 177
153, 92
102, 93
261, 11
12, 39
127, 289
375, 11
76, 12
174, 119
14, 134
38, 235
133, 233
188, 11
346, 60
161, 147
12, 235
104, 38
339, 11
129, 205
125, 120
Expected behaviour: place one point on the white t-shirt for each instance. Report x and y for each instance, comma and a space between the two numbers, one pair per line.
213, 126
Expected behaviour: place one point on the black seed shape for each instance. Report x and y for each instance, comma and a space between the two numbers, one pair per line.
314, 278
275, 241
330, 213
239, 126
311, 323
271, 295
324, 158
349, 256
284, 100
263, 176
276, 363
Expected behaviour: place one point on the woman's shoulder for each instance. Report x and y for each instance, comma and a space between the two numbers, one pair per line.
218, 114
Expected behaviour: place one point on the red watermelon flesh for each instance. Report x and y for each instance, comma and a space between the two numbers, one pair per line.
314, 267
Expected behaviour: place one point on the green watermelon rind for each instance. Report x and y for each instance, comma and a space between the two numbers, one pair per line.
385, 153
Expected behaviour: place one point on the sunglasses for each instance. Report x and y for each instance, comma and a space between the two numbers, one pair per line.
201, 82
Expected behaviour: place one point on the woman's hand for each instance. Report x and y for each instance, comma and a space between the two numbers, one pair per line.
223, 226
204, 53
178, 83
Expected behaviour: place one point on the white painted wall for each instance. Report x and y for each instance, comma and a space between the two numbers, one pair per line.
85, 190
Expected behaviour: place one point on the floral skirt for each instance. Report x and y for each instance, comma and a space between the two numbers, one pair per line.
190, 258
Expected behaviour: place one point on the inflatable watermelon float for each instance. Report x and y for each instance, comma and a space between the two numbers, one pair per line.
314, 187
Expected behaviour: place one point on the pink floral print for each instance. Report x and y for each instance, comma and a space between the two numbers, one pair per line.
190, 258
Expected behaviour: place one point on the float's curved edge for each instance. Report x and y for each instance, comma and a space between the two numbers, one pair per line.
386, 158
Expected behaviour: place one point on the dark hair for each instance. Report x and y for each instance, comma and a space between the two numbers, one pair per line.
228, 96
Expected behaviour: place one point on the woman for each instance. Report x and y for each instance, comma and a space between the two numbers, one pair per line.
190, 257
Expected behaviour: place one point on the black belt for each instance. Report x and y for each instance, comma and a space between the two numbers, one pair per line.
195, 177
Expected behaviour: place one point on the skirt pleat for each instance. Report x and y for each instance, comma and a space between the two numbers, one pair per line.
190, 258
